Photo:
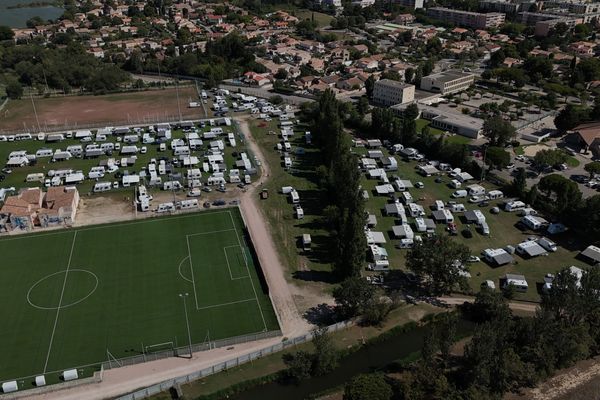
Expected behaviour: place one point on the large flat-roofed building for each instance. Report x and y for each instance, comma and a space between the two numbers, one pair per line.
501, 6
414, 4
458, 123
388, 92
467, 18
447, 82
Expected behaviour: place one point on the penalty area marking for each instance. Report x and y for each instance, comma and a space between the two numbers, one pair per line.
181, 273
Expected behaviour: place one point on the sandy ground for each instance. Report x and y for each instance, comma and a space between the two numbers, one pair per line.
124, 380
531, 151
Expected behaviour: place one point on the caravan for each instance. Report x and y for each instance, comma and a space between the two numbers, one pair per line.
102, 187
39, 177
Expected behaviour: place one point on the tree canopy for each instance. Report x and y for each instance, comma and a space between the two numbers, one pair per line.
440, 261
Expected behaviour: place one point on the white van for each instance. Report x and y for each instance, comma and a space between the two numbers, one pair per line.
460, 194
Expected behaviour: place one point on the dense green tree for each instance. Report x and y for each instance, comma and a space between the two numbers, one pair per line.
490, 305
409, 74
326, 356
498, 131
593, 168
299, 365
440, 261
497, 58
497, 157
6, 33
549, 158
369, 86
519, 183
14, 90
588, 218
352, 296
562, 194
368, 387
569, 117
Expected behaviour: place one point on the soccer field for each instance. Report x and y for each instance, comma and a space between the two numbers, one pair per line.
69, 296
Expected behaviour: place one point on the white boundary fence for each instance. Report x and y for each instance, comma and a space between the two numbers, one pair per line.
234, 362
184, 350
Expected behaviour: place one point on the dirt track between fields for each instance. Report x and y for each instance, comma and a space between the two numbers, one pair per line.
115, 109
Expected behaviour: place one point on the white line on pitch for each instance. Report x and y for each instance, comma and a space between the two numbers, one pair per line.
227, 304
248, 269
210, 233
228, 265
187, 239
60, 301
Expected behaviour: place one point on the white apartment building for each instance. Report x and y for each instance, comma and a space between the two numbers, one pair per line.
388, 92
447, 82
467, 18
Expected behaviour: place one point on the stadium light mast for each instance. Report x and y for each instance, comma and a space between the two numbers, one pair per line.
187, 321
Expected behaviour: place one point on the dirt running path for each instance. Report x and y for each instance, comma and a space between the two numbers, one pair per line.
128, 379
289, 319
455, 301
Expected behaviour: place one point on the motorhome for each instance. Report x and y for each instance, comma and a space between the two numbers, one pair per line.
460, 194
514, 206
172, 185
36, 177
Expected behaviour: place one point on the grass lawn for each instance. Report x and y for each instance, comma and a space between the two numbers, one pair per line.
502, 228
280, 212
572, 162
320, 18
519, 150
71, 295
422, 123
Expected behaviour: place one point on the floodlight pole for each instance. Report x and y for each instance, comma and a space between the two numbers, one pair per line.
187, 321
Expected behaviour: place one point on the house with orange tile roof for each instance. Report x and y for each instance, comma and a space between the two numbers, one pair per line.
32, 207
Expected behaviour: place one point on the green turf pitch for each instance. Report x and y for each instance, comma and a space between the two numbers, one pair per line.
68, 296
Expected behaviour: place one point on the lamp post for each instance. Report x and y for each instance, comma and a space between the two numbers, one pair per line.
187, 321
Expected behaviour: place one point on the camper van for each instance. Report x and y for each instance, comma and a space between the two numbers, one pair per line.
44, 153
76, 150
102, 187
460, 194
39, 177
181, 151
514, 206
295, 197
60, 155
439, 205
172, 185
187, 204
406, 198
129, 150
165, 207
495, 194
130, 139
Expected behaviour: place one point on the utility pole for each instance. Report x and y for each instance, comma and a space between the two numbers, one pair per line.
187, 321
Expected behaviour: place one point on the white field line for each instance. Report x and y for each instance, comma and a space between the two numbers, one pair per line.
187, 239
227, 304
210, 233
228, 265
60, 302
248, 269
114, 225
